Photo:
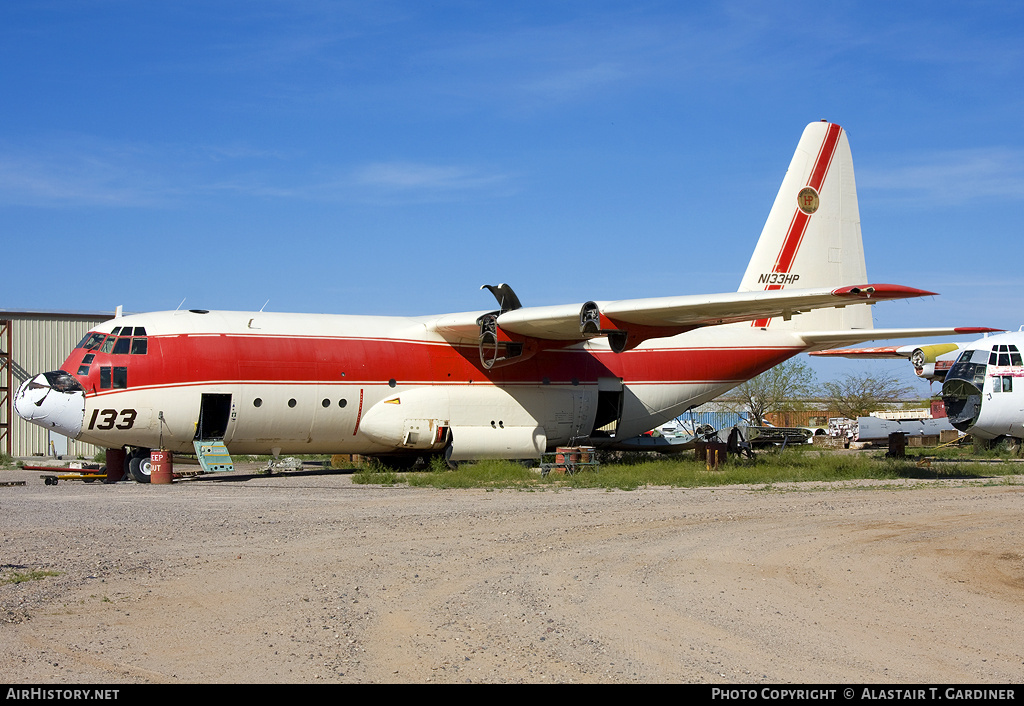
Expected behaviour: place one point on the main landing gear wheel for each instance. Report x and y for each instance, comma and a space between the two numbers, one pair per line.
139, 466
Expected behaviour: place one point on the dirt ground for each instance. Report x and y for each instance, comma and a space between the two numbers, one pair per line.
310, 578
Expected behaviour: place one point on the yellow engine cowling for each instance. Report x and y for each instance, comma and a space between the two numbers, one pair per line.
926, 363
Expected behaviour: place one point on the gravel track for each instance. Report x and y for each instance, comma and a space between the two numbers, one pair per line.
307, 578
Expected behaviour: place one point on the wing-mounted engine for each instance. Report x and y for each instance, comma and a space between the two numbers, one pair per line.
499, 348
927, 363
621, 336
514, 332
593, 324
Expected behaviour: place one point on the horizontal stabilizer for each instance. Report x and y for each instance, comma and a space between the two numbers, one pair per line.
829, 339
879, 352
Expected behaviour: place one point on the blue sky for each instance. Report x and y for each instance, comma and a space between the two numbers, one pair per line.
391, 157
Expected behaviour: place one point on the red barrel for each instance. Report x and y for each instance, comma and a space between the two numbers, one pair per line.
160, 466
567, 454
115, 465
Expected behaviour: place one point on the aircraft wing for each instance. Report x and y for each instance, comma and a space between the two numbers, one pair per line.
829, 339
692, 311
628, 322
879, 352
930, 361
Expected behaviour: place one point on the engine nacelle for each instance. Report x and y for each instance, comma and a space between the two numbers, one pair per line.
621, 336
926, 363
593, 323
498, 348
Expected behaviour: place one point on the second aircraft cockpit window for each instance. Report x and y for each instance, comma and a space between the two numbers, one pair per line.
1004, 355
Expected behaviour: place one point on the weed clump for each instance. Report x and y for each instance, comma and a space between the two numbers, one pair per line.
633, 471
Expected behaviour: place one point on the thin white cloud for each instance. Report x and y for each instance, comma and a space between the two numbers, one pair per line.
407, 176
951, 177
75, 178
86, 172
572, 81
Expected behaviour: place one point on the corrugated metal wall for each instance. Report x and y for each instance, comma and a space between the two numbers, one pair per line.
806, 418
41, 342
717, 419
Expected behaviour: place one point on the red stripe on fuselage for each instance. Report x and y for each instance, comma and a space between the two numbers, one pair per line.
231, 359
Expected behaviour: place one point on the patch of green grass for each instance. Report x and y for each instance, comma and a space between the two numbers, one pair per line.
684, 471
23, 576
482, 474
766, 468
373, 475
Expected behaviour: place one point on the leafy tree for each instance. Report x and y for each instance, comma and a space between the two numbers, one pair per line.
858, 394
778, 389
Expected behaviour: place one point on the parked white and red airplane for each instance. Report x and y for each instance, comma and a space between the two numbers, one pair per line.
509, 383
931, 361
982, 381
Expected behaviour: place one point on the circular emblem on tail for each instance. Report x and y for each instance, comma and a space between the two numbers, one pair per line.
807, 200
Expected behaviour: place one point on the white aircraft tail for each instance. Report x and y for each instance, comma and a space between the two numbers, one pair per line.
812, 236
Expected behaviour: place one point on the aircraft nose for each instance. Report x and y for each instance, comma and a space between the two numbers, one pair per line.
52, 401
963, 401
31, 396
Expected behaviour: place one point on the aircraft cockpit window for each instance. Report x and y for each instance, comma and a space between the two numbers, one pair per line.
997, 383
122, 346
139, 345
92, 341
1007, 383
970, 367
108, 344
1003, 355
117, 330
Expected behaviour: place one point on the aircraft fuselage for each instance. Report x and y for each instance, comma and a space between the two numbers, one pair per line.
984, 389
300, 383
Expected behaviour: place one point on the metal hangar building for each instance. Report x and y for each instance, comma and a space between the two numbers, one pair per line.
33, 342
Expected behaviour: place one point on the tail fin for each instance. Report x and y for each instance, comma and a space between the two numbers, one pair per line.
812, 235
